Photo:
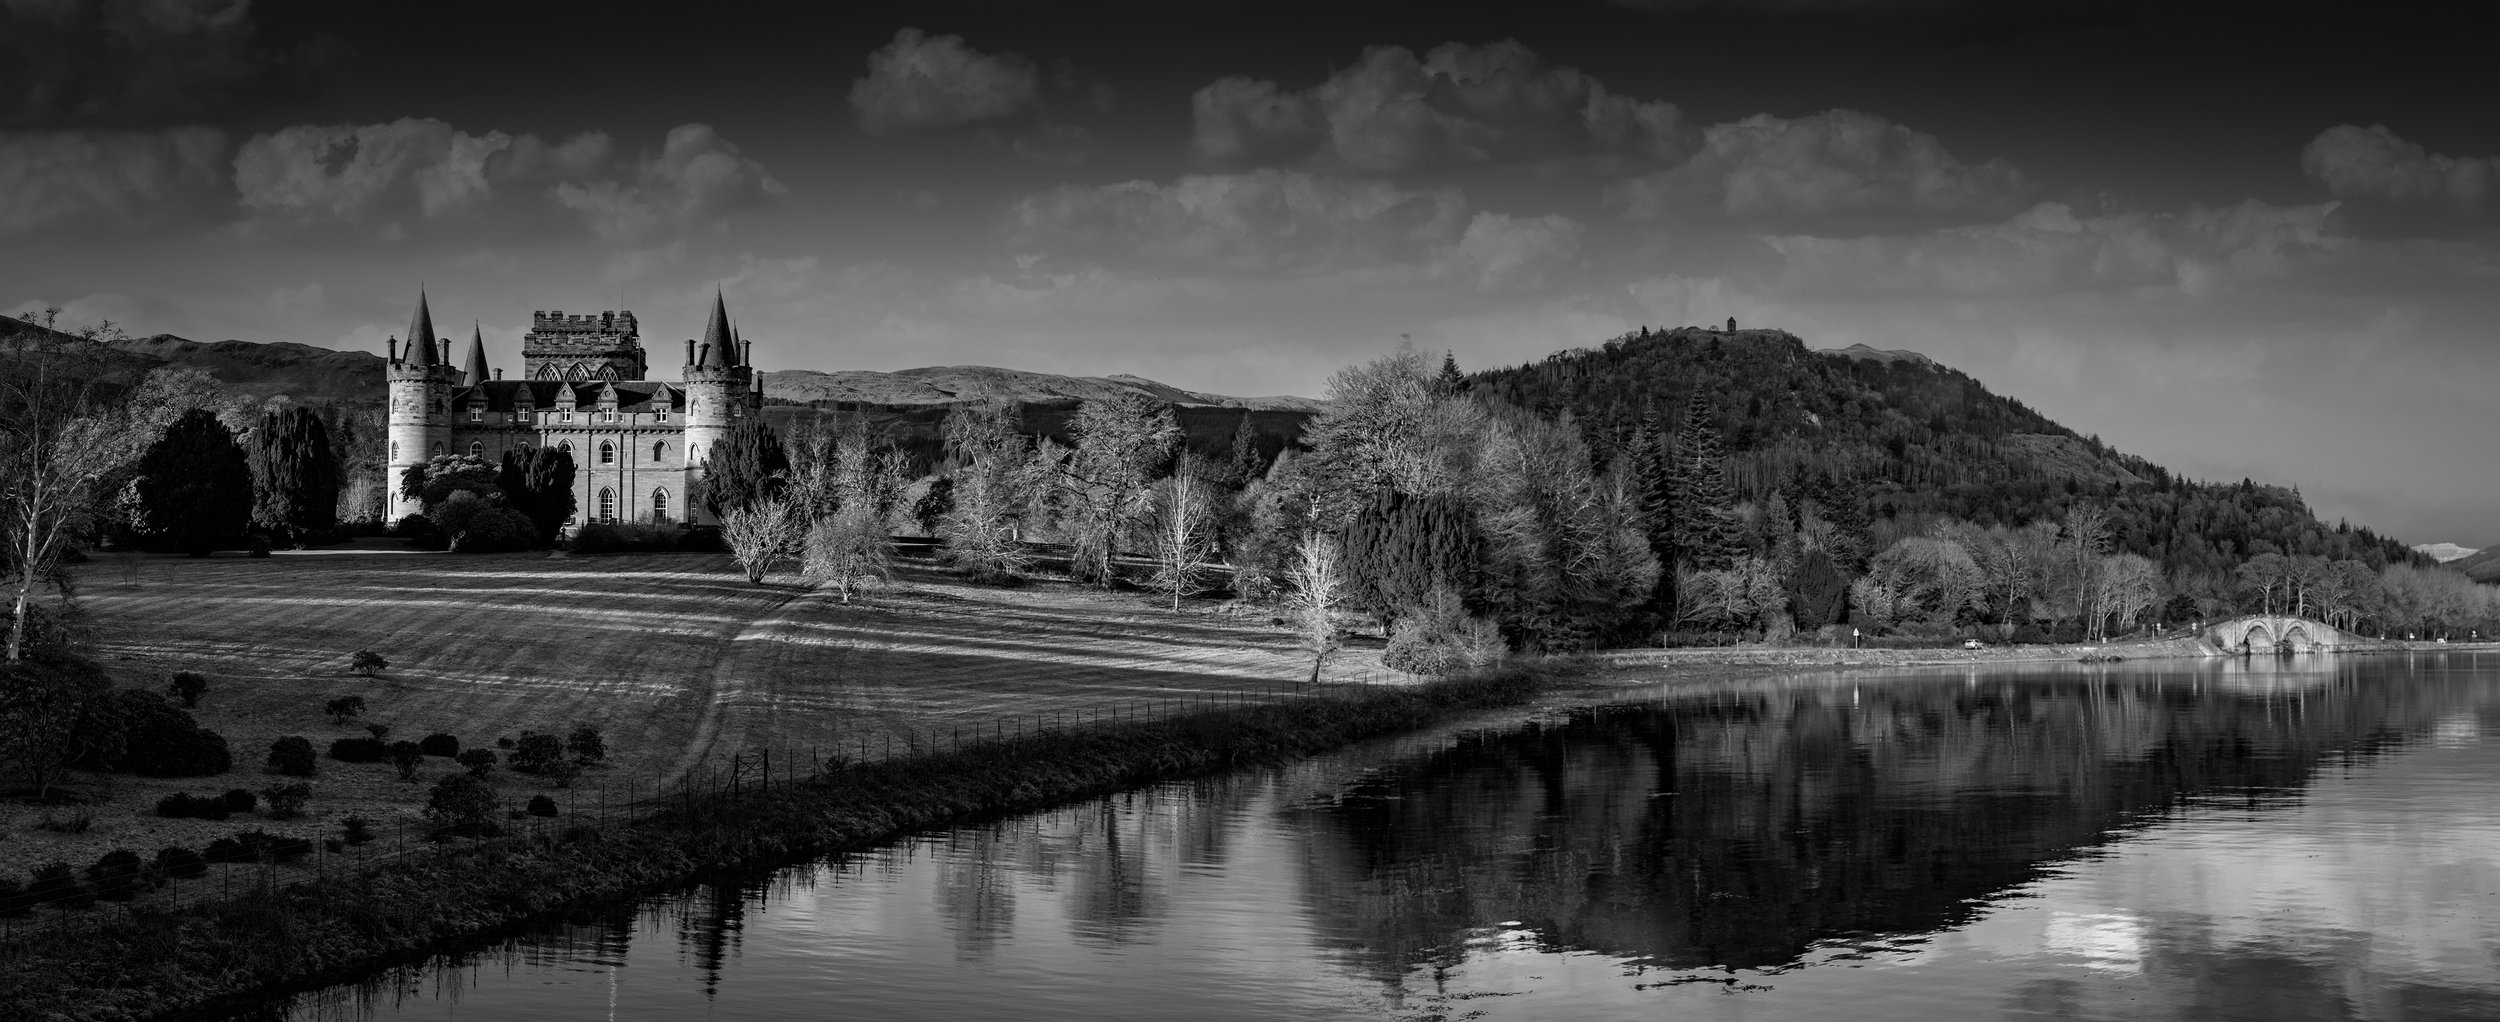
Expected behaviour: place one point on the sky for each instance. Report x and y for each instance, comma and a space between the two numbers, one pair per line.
2245, 241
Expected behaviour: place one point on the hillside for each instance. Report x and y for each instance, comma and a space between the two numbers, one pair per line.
948, 384
2481, 567
2445, 552
1910, 441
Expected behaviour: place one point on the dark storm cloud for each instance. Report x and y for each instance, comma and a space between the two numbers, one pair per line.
919, 82
139, 61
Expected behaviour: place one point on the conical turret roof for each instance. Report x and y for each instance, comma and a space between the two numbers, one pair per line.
474, 372
421, 348
717, 339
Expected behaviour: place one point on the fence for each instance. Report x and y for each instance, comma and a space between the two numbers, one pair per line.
621, 801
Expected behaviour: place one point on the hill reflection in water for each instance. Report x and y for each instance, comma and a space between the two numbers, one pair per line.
2298, 838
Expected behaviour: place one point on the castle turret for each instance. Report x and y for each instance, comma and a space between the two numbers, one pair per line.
716, 387
420, 420
473, 371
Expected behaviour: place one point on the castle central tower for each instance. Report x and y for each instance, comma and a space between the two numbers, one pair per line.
606, 346
420, 415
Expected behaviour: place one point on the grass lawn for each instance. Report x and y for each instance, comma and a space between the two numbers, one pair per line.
675, 657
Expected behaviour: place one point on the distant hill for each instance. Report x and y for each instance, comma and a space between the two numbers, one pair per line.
950, 384
1910, 441
259, 371
2444, 552
2481, 567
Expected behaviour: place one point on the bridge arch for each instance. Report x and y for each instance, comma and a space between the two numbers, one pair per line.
2296, 638
2258, 638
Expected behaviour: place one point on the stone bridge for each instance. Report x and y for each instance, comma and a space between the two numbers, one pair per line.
2271, 633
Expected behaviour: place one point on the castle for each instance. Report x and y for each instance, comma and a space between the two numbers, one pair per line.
637, 444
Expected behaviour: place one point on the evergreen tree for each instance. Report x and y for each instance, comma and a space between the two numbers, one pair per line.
1402, 548
295, 479
195, 487
1450, 381
1706, 535
749, 467
539, 484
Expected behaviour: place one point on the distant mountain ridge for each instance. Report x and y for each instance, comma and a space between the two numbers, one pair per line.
2445, 552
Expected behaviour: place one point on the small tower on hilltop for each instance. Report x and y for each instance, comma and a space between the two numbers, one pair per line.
719, 391
420, 418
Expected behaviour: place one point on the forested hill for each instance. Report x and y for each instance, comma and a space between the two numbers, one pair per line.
1910, 441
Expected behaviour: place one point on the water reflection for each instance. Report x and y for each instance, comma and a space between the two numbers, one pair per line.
2297, 838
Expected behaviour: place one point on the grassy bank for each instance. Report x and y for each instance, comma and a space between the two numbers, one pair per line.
161, 961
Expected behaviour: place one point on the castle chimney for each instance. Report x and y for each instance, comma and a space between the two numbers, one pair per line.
690, 351
499, 374
392, 345
746, 355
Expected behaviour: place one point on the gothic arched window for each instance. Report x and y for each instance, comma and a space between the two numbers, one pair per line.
438, 448
659, 504
659, 451
607, 453
607, 504
477, 449
566, 446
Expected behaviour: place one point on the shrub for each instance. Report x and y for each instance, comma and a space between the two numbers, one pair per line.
57, 884
359, 750
292, 756
176, 806
356, 830
368, 663
503, 743
440, 744
238, 800
162, 740
14, 899
188, 687
479, 761
586, 744
344, 707
414, 526
536, 751
286, 801
277, 848
562, 771
180, 863
407, 756
541, 805
378, 730
335, 845
74, 820
117, 875
226, 849
460, 802
494, 530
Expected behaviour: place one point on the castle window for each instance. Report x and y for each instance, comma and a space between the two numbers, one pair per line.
659, 451
438, 448
607, 504
566, 446
477, 415
663, 415
607, 453
394, 450
476, 449
565, 417
659, 505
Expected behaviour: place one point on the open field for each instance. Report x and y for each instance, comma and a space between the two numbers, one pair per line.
674, 657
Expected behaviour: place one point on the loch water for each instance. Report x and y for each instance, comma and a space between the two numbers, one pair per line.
2311, 837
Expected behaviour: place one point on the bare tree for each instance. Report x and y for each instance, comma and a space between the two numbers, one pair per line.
2125, 586
849, 550
761, 534
993, 486
1316, 588
49, 464
1184, 535
1120, 442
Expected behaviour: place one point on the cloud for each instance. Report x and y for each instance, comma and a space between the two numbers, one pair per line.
1260, 220
1392, 111
89, 61
2374, 164
423, 168
697, 176
73, 180
1500, 252
1833, 163
920, 82
2049, 249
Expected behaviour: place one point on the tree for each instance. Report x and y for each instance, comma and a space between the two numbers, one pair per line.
367, 662
2012, 566
538, 483
1120, 442
1822, 591
55, 711
535, 752
759, 535
461, 802
479, 762
993, 483
295, 481
52, 458
1705, 533
343, 707
744, 469
1315, 587
293, 756
2083, 537
586, 744
1184, 535
848, 550
407, 756
2264, 575
1402, 548
188, 687
194, 487
1449, 381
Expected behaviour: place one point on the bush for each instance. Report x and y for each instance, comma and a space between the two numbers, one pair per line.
359, 750
562, 771
494, 530
118, 875
479, 761
368, 663
344, 707
536, 751
238, 800
439, 744
462, 803
407, 756
180, 863
378, 731
503, 743
356, 830
74, 820
586, 744
414, 526
176, 806
162, 740
226, 849
292, 756
57, 884
14, 899
541, 805
276, 848
188, 687
286, 801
